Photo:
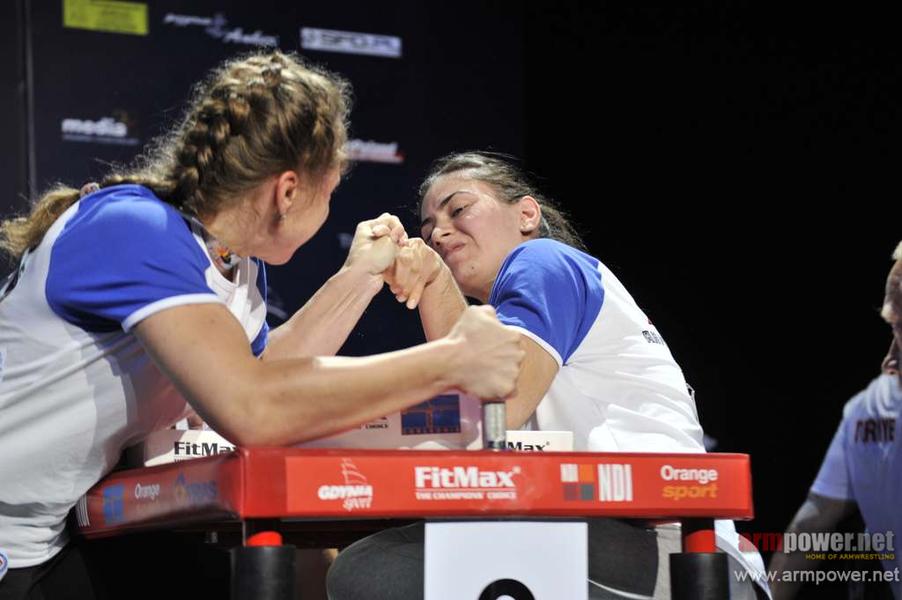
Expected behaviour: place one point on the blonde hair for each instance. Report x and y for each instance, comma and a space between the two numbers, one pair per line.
252, 117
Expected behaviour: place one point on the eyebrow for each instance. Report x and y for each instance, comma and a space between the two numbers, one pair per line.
442, 204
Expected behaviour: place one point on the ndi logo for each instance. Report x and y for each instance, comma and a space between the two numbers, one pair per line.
113, 504
615, 483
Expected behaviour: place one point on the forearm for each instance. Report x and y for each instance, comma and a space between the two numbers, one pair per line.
301, 399
817, 514
323, 324
441, 306
785, 563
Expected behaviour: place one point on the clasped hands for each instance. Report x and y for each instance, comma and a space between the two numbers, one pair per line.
381, 248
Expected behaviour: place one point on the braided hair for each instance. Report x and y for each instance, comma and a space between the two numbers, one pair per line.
253, 117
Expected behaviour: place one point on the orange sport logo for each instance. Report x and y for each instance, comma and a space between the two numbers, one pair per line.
695, 483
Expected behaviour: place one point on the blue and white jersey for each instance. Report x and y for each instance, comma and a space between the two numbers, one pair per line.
864, 461
619, 388
76, 386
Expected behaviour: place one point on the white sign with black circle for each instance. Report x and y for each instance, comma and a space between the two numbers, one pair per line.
506, 560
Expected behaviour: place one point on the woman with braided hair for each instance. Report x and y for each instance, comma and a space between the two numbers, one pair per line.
148, 290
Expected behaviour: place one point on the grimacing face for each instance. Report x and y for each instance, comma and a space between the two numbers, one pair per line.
473, 231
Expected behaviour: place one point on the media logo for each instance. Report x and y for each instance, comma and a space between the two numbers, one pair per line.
106, 130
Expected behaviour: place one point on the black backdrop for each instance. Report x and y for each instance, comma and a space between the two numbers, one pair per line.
734, 162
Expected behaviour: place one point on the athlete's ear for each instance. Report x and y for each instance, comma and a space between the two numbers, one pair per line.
530, 215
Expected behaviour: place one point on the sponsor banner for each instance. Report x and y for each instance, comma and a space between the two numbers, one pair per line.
105, 130
109, 16
177, 493
350, 42
505, 560
680, 482
372, 151
173, 445
415, 483
540, 441
303, 483
446, 422
218, 27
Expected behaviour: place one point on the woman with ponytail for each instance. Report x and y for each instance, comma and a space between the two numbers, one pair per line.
594, 365
144, 294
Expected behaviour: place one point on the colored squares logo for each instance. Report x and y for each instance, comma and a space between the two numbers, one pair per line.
578, 481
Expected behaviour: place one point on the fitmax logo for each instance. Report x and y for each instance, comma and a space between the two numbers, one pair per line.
463, 477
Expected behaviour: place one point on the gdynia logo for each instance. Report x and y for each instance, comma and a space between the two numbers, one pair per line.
356, 493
